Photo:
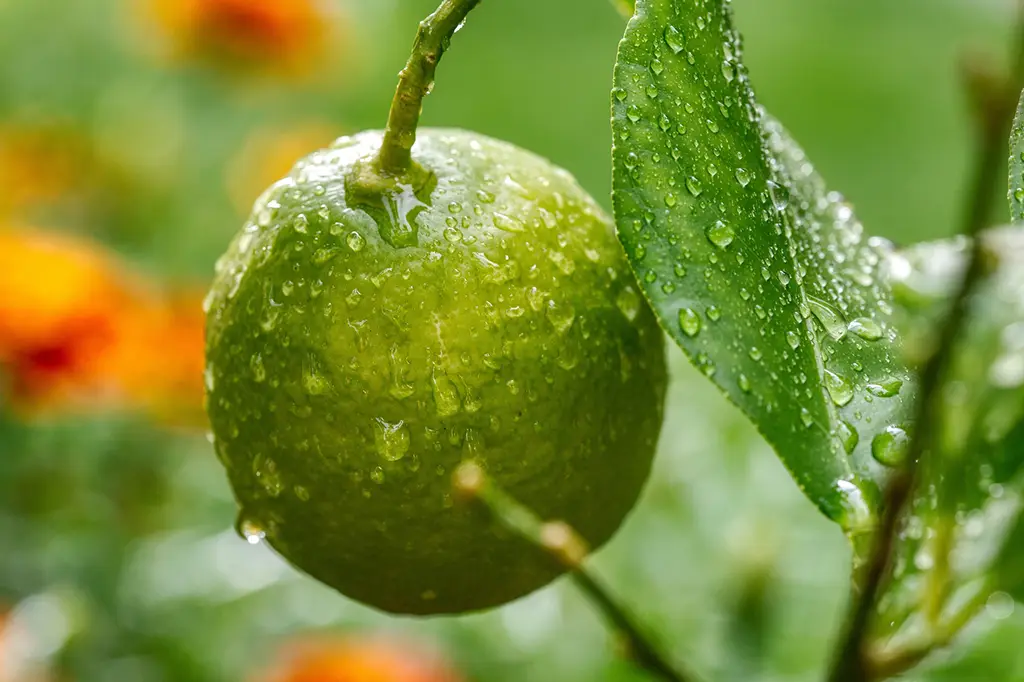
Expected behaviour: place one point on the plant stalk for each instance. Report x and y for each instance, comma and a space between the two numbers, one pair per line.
415, 82
995, 103
561, 542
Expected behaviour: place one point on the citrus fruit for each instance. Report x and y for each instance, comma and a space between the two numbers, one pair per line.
365, 339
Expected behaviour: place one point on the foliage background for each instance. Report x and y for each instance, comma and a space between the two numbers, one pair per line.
117, 553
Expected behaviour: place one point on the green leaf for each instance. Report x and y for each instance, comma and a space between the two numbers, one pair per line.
956, 549
1016, 193
764, 278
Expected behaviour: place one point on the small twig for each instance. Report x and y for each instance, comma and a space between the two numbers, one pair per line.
994, 108
564, 544
416, 80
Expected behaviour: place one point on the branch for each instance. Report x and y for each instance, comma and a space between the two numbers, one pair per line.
994, 102
564, 544
416, 80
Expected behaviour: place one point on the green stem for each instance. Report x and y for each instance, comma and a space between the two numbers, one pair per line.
565, 545
852, 660
416, 80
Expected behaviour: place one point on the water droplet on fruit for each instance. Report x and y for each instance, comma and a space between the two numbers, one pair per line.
391, 439
259, 371
301, 223
628, 302
560, 316
249, 530
355, 241
446, 395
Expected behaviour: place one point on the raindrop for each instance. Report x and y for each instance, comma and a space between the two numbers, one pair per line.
866, 328
779, 195
848, 436
628, 302
793, 339
674, 39
689, 322
259, 371
743, 177
830, 318
856, 515
446, 396
743, 382
885, 388
720, 234
694, 186
839, 388
392, 440
806, 418
355, 241
889, 447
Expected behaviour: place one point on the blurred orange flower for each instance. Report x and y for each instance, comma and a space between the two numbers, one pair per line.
357, 659
280, 35
268, 155
78, 330
37, 164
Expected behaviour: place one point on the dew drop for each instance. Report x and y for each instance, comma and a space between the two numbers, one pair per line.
694, 186
674, 39
355, 241
743, 177
855, 513
848, 436
446, 396
889, 447
866, 328
259, 370
829, 318
391, 439
628, 302
806, 418
720, 234
838, 387
885, 388
689, 322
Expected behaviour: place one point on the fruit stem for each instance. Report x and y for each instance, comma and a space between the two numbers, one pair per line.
415, 82
563, 544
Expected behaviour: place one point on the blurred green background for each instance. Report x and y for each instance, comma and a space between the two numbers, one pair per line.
117, 553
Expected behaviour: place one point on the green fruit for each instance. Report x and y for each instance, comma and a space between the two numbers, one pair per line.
361, 345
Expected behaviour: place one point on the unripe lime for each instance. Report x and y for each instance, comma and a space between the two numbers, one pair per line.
362, 343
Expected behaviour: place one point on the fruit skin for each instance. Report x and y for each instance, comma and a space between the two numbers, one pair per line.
348, 377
